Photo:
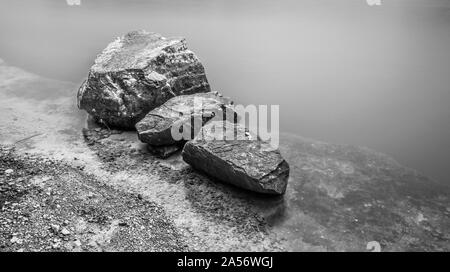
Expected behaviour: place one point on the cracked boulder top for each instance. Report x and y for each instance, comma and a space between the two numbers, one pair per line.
134, 50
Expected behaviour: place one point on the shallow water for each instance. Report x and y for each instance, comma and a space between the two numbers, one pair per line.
341, 71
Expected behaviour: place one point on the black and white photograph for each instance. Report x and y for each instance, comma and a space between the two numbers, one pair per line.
222, 126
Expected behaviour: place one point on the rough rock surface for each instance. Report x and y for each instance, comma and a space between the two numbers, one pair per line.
247, 162
155, 128
136, 73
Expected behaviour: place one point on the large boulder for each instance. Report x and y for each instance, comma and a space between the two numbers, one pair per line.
180, 112
135, 74
230, 154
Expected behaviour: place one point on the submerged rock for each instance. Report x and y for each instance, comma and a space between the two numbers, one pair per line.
156, 127
136, 73
245, 162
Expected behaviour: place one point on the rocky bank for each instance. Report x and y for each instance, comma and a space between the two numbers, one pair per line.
170, 124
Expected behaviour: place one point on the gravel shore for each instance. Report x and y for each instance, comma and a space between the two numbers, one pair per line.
46, 205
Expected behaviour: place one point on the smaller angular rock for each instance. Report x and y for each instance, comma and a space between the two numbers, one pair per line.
182, 112
231, 154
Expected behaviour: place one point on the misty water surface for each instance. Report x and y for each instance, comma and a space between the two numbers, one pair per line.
341, 71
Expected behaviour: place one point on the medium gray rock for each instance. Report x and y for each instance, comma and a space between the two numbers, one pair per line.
136, 73
155, 128
245, 162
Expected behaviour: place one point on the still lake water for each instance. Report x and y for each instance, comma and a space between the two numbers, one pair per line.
341, 71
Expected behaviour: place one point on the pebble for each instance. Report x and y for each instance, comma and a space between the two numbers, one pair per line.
9, 171
77, 243
16, 240
55, 228
65, 231
45, 179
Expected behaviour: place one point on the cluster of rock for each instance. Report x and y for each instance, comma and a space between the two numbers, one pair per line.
155, 84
